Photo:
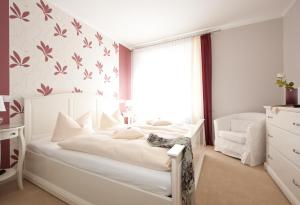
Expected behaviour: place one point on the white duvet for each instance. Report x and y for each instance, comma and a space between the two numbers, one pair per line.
137, 152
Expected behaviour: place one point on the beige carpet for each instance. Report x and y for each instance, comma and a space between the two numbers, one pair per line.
223, 181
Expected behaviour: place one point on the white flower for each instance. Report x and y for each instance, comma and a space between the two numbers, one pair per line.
280, 75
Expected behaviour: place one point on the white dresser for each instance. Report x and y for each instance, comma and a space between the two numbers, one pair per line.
283, 150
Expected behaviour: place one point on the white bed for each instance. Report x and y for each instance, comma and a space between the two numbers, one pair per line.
80, 178
158, 182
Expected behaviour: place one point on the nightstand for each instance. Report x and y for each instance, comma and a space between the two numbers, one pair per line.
11, 131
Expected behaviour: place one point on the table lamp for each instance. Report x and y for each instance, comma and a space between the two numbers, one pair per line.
2, 108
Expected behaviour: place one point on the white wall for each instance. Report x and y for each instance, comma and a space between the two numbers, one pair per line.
245, 62
291, 44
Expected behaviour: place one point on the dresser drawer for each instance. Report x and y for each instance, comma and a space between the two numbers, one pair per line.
286, 143
287, 120
287, 172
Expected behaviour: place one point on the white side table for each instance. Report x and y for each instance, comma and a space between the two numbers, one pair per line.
11, 131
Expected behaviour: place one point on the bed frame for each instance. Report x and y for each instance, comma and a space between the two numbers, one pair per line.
78, 186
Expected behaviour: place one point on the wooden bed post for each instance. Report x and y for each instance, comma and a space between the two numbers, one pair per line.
176, 159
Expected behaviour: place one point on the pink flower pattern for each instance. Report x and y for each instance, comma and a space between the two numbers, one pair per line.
116, 71
77, 60
15, 157
99, 67
18, 61
116, 47
17, 108
77, 90
86, 43
60, 69
99, 38
77, 26
46, 50
106, 52
59, 31
106, 79
18, 14
45, 90
87, 75
45, 9
99, 93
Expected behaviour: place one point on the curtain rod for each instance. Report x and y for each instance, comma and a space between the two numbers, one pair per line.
175, 38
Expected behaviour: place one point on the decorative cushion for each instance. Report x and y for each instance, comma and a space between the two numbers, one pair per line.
108, 121
237, 137
239, 125
86, 121
67, 127
128, 133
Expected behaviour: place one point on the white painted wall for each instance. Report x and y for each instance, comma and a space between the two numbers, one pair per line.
291, 44
245, 62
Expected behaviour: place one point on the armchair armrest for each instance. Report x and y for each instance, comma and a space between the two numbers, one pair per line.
256, 141
221, 124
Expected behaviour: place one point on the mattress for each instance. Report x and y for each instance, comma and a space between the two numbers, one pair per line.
158, 182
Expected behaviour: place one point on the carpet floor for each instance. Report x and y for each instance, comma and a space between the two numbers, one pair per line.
223, 181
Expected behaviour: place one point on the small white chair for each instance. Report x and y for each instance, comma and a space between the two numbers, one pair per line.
242, 136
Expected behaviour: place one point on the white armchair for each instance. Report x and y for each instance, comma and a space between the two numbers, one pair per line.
242, 136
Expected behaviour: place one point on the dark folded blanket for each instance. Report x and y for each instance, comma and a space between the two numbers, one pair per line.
187, 174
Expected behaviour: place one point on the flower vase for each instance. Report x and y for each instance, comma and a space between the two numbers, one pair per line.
291, 96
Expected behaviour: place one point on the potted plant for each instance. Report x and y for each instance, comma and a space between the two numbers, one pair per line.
291, 93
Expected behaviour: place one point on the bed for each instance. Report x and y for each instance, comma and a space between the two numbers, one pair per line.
85, 179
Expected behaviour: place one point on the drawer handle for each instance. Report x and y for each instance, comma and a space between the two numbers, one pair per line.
269, 156
270, 136
13, 133
270, 117
296, 184
296, 124
295, 151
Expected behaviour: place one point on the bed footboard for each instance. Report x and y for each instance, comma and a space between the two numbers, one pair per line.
176, 159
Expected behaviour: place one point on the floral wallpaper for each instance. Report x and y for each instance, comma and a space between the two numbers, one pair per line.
53, 52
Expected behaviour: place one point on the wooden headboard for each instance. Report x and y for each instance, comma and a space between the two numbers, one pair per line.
41, 112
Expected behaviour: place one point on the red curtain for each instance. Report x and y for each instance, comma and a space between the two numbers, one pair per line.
207, 85
4, 47
4, 76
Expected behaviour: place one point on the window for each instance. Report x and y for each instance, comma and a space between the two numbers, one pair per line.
163, 81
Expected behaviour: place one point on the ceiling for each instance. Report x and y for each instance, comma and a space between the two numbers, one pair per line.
138, 22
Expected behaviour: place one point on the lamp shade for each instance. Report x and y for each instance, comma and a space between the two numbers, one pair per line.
2, 106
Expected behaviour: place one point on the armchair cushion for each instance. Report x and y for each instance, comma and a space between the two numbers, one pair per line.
237, 137
240, 125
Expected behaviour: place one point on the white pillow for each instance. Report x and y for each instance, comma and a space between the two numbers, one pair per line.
159, 122
128, 133
67, 127
86, 121
108, 121
240, 125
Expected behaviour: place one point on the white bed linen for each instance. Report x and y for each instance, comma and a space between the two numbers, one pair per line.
158, 182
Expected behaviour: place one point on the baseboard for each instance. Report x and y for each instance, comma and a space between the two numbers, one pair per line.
289, 195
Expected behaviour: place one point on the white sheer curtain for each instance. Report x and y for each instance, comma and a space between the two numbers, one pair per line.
166, 82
